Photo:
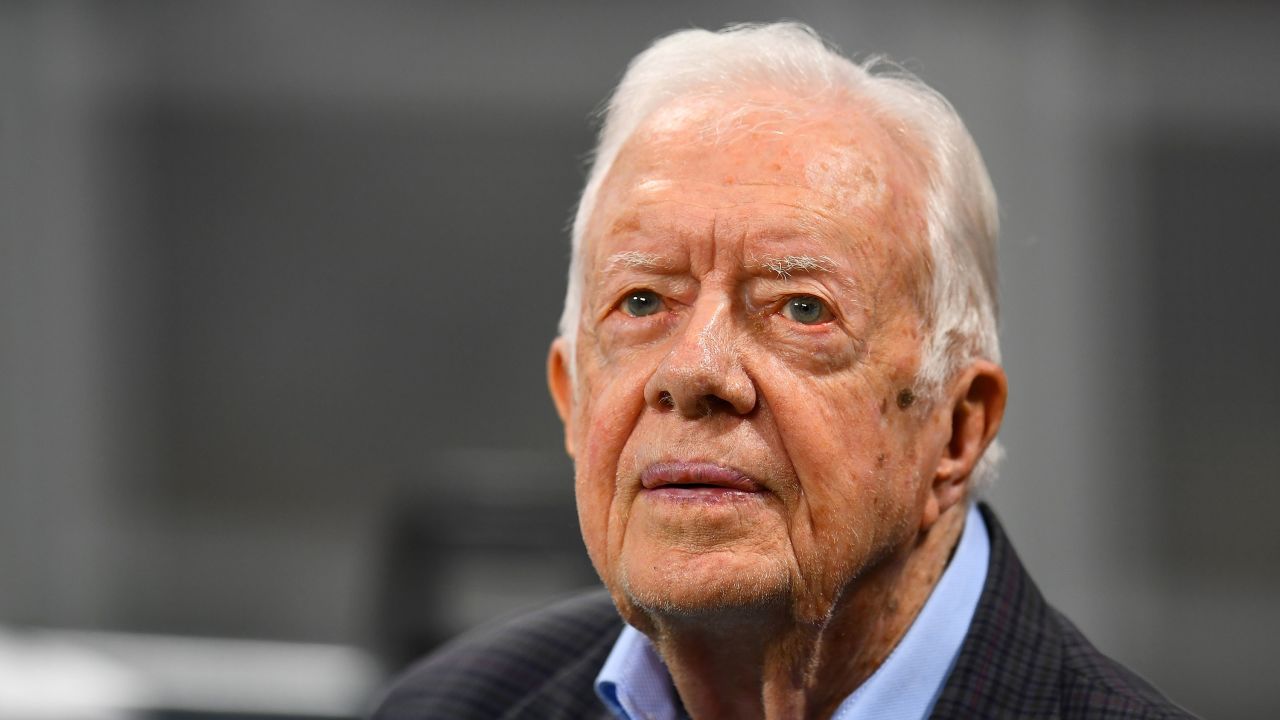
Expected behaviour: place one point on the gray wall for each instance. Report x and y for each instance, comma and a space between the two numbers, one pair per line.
272, 273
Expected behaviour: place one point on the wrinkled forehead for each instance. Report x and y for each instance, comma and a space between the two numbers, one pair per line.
766, 137
835, 155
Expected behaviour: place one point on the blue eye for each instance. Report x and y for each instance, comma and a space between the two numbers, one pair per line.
641, 303
806, 310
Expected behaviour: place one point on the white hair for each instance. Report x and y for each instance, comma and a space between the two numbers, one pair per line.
960, 204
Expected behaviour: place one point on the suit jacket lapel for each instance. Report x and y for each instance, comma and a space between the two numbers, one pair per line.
1011, 658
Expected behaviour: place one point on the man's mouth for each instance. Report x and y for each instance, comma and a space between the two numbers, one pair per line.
684, 477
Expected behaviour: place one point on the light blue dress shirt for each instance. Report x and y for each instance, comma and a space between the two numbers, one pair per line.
635, 684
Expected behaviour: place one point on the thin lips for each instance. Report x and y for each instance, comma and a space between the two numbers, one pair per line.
696, 473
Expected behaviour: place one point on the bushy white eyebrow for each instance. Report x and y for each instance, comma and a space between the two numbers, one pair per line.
636, 260
787, 264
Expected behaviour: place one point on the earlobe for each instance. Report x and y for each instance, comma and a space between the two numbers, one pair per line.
560, 382
976, 410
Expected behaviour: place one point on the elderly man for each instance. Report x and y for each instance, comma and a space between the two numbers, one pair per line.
778, 374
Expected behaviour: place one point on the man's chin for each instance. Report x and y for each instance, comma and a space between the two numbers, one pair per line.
708, 588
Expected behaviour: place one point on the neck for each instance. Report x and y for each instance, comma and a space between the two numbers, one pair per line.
761, 663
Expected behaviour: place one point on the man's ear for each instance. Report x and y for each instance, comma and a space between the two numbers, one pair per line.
974, 411
561, 385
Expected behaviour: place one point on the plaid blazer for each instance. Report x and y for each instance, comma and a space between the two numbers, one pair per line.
1020, 659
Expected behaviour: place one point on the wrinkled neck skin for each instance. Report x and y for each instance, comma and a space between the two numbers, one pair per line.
759, 662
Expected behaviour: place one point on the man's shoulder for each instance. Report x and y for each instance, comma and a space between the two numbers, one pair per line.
542, 664
1094, 685
1024, 659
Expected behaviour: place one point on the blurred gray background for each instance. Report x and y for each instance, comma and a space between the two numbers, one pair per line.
277, 282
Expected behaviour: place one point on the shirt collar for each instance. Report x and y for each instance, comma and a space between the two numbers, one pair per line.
635, 685
634, 681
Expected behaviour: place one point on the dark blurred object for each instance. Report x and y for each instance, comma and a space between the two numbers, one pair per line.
487, 533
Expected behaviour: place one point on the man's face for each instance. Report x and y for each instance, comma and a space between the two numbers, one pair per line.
743, 424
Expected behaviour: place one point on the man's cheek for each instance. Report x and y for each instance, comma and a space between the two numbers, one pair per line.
606, 428
593, 517
611, 402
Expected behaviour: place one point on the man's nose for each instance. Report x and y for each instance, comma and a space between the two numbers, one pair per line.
703, 373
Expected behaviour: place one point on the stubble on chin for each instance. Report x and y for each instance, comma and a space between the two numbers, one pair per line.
667, 591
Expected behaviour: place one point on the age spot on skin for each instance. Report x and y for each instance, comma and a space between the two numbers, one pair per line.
906, 398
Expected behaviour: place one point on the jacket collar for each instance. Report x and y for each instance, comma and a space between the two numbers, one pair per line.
1010, 662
